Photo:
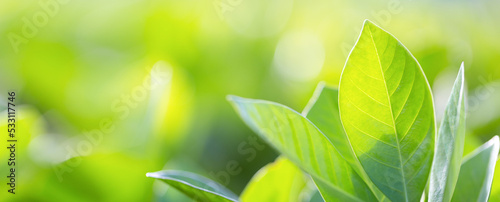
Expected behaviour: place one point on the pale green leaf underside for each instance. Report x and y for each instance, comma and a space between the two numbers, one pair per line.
277, 181
449, 145
387, 111
196, 187
301, 142
476, 174
323, 111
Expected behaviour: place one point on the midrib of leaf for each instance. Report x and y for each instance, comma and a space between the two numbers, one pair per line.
392, 114
312, 154
197, 187
333, 175
295, 139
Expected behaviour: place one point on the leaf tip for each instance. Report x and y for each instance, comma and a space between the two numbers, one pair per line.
461, 74
493, 142
317, 92
496, 140
321, 84
367, 22
319, 88
152, 175
232, 98
496, 146
236, 101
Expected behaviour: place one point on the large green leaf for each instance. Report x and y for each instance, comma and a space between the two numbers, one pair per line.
301, 142
196, 187
387, 111
323, 111
280, 181
449, 145
476, 173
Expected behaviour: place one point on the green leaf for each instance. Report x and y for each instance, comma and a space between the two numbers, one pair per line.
476, 174
449, 145
277, 181
387, 111
495, 187
196, 187
323, 111
302, 143
316, 197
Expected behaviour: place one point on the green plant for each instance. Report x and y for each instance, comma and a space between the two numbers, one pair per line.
374, 139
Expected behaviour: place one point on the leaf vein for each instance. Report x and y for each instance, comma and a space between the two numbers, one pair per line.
368, 113
371, 136
354, 84
394, 126
379, 161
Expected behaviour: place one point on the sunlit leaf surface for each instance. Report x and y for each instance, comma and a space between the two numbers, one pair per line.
387, 111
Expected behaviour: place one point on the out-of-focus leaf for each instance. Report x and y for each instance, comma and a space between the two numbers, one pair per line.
387, 112
323, 111
449, 145
196, 187
301, 142
278, 181
476, 174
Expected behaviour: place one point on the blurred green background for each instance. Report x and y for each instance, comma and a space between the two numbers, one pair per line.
110, 90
